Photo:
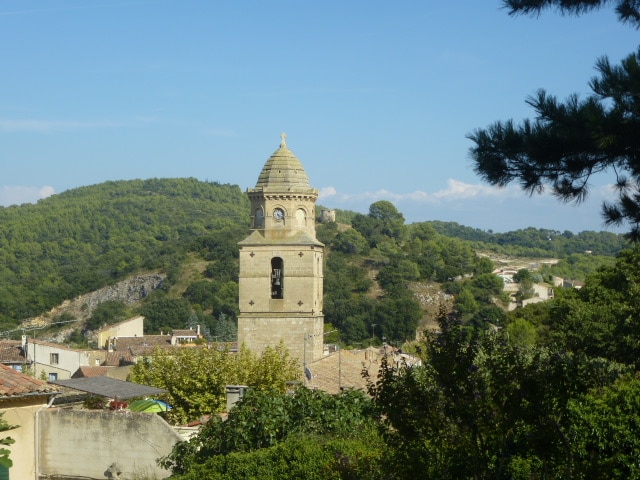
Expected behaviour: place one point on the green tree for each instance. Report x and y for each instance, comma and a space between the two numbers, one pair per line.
605, 431
570, 141
265, 419
521, 333
383, 221
165, 314
107, 313
481, 407
225, 329
351, 242
195, 378
466, 305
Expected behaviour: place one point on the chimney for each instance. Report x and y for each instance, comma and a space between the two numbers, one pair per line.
198, 329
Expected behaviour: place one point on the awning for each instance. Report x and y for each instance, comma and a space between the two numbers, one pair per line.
109, 387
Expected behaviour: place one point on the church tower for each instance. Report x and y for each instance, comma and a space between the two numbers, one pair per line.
281, 262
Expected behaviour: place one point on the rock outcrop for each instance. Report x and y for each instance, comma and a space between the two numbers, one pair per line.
129, 291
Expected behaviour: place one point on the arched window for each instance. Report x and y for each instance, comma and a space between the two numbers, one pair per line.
258, 219
301, 218
277, 277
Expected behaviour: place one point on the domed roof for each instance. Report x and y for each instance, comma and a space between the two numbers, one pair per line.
283, 170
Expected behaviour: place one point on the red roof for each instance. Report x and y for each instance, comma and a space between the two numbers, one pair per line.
118, 359
16, 384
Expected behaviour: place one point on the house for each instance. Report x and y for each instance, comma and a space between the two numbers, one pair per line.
12, 354
21, 399
133, 327
129, 349
186, 336
57, 362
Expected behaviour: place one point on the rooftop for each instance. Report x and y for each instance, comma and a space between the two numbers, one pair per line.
14, 384
283, 171
109, 387
11, 351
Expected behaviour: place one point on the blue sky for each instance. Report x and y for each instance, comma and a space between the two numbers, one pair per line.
376, 97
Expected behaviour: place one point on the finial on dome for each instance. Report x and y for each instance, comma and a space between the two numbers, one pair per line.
283, 140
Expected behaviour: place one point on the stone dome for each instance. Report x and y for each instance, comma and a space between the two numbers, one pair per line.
283, 171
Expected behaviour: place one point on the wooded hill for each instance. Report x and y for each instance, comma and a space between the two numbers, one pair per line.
84, 239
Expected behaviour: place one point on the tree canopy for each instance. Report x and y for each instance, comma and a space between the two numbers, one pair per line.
569, 142
195, 378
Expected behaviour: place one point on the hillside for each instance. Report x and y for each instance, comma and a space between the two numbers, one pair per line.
84, 239
185, 230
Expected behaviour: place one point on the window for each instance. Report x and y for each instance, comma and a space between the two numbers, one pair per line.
53, 377
258, 218
54, 358
301, 218
277, 277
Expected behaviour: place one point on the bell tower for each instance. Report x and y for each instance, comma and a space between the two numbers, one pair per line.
281, 262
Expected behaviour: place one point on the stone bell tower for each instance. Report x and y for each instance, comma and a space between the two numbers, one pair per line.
281, 262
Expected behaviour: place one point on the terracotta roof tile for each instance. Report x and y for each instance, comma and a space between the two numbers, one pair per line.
11, 351
16, 384
118, 359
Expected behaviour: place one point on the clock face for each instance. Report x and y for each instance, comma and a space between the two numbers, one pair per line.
278, 214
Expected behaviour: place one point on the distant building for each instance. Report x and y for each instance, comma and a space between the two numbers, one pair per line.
132, 327
55, 361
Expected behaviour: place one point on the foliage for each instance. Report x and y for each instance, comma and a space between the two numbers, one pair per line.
350, 241
267, 418
482, 407
305, 458
195, 378
107, 313
5, 461
600, 319
577, 266
163, 314
627, 10
383, 220
225, 330
570, 141
346, 305
605, 431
